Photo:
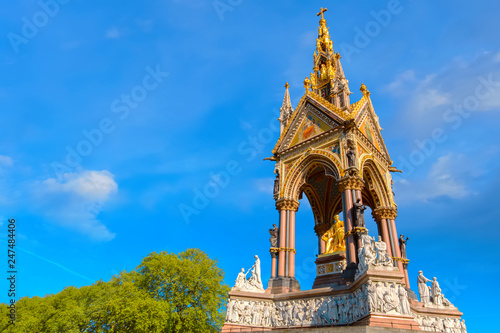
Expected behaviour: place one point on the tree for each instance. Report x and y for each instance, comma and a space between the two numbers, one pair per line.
191, 282
167, 293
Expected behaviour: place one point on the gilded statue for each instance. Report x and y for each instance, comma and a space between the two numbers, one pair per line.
334, 237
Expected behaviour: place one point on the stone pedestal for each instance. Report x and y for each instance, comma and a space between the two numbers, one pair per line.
282, 285
329, 269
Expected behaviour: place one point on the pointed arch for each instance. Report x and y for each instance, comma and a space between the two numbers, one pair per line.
301, 170
376, 192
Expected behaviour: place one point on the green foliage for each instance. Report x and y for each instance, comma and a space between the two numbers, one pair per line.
191, 282
167, 293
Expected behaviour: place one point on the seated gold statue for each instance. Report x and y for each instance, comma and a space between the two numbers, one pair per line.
334, 237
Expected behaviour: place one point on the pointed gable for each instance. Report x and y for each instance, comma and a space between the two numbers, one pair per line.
309, 120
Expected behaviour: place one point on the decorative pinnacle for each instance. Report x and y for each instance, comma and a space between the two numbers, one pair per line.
287, 85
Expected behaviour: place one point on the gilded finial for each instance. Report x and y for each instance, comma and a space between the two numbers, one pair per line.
321, 12
364, 90
287, 85
307, 84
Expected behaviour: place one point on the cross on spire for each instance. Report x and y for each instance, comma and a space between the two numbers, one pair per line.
321, 12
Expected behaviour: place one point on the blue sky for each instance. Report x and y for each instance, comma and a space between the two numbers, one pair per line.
206, 84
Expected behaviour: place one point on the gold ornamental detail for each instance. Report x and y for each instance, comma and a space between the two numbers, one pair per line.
385, 213
351, 183
286, 204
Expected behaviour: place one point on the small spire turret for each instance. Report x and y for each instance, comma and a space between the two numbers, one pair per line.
286, 109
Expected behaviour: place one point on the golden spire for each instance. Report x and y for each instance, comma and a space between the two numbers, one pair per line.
323, 43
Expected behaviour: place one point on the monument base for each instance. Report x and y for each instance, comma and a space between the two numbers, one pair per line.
281, 285
329, 269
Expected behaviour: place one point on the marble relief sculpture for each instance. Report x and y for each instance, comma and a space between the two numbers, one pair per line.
375, 297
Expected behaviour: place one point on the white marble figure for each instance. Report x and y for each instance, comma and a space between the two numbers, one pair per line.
366, 254
383, 258
254, 283
437, 296
256, 266
403, 300
423, 290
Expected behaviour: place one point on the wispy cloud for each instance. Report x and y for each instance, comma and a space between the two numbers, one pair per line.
76, 201
5, 161
447, 177
427, 97
113, 33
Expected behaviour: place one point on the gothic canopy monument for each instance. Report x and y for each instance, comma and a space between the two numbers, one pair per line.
332, 151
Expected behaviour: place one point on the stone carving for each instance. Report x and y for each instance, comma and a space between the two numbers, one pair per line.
422, 288
276, 190
274, 236
254, 283
431, 296
403, 301
256, 269
366, 253
372, 297
372, 253
402, 245
383, 258
359, 208
441, 324
437, 296
351, 156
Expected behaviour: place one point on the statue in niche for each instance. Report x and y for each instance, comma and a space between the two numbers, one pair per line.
276, 190
359, 208
322, 69
351, 156
274, 236
423, 289
402, 245
334, 237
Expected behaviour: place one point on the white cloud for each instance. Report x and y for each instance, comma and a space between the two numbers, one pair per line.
428, 97
113, 33
447, 177
5, 160
400, 81
76, 201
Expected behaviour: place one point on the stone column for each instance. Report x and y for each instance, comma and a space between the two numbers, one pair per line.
282, 243
286, 254
273, 264
346, 185
397, 250
291, 245
285, 280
